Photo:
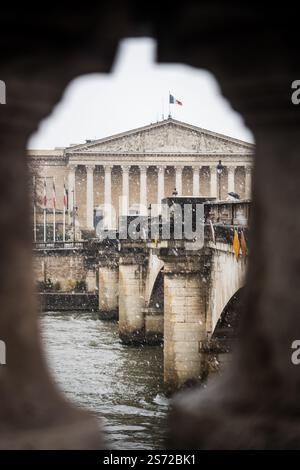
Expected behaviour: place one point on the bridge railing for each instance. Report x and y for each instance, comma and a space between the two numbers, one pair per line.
88, 244
228, 212
223, 213
60, 245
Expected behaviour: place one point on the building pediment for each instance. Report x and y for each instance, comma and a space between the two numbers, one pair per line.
169, 136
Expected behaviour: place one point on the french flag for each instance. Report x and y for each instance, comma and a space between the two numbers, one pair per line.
173, 100
45, 195
53, 196
65, 196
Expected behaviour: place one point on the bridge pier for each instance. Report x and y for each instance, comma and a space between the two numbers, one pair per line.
217, 356
109, 285
154, 325
131, 296
184, 319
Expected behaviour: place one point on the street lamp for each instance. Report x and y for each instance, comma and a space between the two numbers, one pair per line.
74, 213
220, 169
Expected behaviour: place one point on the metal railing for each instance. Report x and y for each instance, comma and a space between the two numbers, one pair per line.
228, 212
69, 245
223, 213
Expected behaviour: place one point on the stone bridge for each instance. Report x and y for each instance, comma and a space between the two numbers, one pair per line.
165, 289
246, 410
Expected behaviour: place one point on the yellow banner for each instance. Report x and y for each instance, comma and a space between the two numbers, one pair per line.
243, 244
236, 244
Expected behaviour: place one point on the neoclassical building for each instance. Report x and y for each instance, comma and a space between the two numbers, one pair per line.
140, 166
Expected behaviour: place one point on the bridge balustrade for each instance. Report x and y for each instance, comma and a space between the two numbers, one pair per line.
228, 212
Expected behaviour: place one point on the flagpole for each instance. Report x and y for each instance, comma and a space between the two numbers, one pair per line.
64, 225
54, 209
34, 210
34, 223
64, 214
73, 213
54, 224
44, 225
69, 209
169, 105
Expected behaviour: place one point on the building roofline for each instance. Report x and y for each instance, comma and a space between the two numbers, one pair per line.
119, 135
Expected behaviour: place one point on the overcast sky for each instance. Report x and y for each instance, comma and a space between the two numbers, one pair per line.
135, 94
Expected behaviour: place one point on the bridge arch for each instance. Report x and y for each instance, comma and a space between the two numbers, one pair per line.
154, 301
154, 269
218, 350
226, 279
226, 328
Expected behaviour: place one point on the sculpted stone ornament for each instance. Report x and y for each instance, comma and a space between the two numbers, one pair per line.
166, 136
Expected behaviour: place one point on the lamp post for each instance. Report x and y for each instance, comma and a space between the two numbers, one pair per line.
74, 208
220, 169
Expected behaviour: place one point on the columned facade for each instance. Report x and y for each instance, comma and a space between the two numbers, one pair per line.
213, 181
139, 168
90, 196
143, 190
71, 192
196, 181
231, 182
178, 179
142, 194
160, 184
248, 182
125, 189
107, 197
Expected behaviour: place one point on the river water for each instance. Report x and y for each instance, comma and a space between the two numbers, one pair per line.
122, 385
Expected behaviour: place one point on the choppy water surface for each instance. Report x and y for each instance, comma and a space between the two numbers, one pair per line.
121, 384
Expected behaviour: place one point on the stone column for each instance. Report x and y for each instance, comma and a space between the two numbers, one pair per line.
178, 179
125, 189
131, 297
196, 180
90, 196
184, 320
213, 181
71, 190
107, 196
231, 173
160, 185
248, 182
143, 190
